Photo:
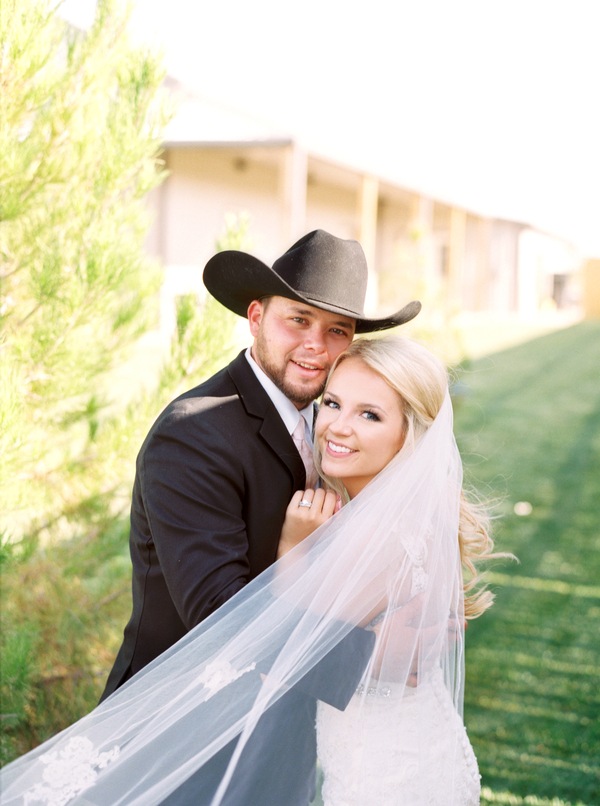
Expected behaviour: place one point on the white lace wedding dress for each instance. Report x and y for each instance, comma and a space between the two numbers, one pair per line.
387, 751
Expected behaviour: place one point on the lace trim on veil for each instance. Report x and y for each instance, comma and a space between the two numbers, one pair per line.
69, 771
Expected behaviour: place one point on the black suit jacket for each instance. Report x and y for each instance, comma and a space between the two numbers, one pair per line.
213, 480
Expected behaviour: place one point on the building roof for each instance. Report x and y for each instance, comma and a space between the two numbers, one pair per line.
201, 121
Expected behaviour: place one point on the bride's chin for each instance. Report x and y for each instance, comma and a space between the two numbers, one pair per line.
332, 470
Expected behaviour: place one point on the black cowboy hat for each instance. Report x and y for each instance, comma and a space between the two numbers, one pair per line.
319, 269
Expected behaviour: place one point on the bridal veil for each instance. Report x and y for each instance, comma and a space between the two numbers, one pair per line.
387, 563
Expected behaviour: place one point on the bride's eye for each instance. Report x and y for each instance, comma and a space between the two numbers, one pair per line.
330, 403
370, 415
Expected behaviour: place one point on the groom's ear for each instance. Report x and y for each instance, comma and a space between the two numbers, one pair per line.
256, 311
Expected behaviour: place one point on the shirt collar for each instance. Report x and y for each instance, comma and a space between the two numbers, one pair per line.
286, 409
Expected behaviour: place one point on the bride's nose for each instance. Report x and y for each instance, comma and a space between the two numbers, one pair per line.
340, 425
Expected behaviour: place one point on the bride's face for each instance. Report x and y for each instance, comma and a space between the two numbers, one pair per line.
360, 426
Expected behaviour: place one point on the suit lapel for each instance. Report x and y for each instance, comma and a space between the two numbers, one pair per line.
271, 428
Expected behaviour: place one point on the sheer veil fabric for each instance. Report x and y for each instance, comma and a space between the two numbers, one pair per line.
388, 562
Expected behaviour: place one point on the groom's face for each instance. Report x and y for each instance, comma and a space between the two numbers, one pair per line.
295, 344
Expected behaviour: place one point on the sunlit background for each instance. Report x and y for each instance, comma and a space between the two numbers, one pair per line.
489, 105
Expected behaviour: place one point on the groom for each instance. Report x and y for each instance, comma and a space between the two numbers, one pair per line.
219, 466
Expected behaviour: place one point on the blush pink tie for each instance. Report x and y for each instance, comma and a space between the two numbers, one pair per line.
305, 451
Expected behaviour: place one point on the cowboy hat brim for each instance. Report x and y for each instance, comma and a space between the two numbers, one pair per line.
235, 279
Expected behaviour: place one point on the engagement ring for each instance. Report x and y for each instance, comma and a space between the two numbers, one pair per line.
305, 503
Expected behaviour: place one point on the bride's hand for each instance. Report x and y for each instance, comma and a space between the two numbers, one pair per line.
307, 510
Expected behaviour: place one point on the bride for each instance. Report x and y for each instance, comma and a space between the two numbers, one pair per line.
401, 739
389, 563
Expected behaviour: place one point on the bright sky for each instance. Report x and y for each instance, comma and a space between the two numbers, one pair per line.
491, 104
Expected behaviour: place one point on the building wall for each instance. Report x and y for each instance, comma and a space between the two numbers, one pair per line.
331, 208
403, 255
548, 273
501, 291
423, 249
203, 188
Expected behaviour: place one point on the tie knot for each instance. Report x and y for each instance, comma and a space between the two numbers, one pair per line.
299, 432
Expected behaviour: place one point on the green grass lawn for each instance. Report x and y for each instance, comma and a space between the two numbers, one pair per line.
528, 425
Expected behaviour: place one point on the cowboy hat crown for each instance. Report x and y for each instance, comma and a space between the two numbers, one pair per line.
321, 270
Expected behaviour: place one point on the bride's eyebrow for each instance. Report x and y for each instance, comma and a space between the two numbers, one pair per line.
371, 406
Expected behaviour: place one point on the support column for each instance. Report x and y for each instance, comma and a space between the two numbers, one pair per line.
456, 255
292, 193
421, 233
482, 279
368, 202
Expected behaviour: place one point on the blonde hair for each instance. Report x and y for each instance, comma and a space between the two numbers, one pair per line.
421, 381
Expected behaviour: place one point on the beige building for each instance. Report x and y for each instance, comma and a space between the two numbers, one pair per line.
222, 163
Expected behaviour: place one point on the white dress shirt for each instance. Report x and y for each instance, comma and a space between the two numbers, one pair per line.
286, 409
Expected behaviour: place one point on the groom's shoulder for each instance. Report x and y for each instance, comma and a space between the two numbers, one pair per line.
214, 398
